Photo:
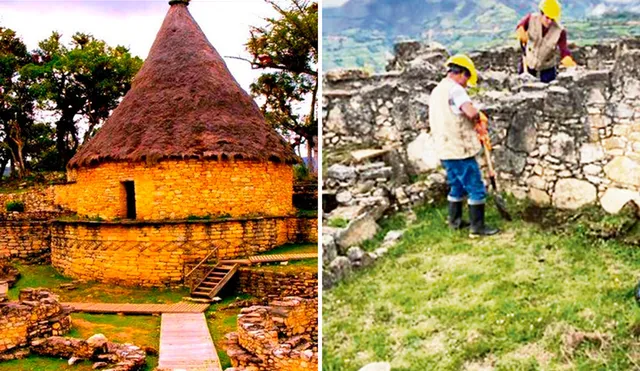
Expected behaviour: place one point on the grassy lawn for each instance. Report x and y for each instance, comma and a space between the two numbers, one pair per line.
46, 276
293, 248
139, 330
526, 299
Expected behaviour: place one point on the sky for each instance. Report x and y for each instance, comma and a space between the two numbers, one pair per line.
135, 24
332, 3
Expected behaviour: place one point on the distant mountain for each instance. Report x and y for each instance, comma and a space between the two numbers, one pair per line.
362, 32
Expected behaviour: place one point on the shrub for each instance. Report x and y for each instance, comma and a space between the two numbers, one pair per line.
300, 172
15, 206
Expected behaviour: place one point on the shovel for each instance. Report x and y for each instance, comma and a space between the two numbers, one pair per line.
501, 205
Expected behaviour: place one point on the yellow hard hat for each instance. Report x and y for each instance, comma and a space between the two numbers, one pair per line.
551, 8
463, 60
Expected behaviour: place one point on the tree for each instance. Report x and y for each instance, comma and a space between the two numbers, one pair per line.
288, 47
83, 83
16, 102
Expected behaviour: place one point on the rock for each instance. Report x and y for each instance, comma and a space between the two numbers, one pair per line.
392, 237
368, 259
539, 197
367, 154
73, 360
359, 230
347, 212
328, 279
592, 169
623, 170
377, 366
344, 197
99, 365
355, 254
365, 187
341, 172
509, 161
537, 182
340, 267
614, 199
381, 251
329, 248
573, 193
384, 172
563, 147
97, 341
422, 154
591, 153
401, 196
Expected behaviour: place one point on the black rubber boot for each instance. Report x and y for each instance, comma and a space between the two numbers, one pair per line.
455, 215
478, 228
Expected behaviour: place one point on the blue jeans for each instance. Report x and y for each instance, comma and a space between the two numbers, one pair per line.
465, 180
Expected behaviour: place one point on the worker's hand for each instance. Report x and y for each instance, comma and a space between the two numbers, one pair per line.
482, 124
568, 62
522, 35
482, 129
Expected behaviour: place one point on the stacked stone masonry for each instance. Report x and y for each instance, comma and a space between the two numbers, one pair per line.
24, 240
282, 336
268, 282
157, 254
35, 199
570, 143
38, 314
180, 189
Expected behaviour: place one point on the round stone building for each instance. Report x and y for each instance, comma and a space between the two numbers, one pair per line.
186, 140
185, 167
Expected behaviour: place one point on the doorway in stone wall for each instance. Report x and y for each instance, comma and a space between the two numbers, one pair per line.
130, 190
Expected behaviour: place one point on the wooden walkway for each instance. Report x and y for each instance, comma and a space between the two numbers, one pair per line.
272, 258
111, 308
185, 343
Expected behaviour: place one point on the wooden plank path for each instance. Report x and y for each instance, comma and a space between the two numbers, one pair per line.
272, 258
186, 344
111, 308
281, 257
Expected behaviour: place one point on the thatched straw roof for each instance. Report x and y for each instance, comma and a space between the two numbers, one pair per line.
184, 103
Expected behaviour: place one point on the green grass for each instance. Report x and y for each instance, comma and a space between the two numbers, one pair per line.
293, 248
222, 321
440, 300
46, 276
338, 223
138, 330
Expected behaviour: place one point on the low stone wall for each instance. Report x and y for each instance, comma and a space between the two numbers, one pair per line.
38, 314
282, 336
156, 253
24, 240
266, 282
34, 199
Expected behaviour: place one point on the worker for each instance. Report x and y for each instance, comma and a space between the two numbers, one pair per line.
542, 39
456, 126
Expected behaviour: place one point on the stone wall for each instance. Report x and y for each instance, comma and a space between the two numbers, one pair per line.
267, 282
569, 143
34, 199
282, 336
38, 314
24, 239
179, 189
156, 253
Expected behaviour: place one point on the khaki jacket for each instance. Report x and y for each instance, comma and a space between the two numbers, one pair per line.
453, 134
542, 52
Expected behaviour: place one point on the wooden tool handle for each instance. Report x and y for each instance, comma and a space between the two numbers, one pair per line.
492, 173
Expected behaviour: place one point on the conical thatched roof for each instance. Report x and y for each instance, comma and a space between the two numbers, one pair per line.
184, 103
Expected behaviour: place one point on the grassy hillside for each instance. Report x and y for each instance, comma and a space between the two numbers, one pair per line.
362, 33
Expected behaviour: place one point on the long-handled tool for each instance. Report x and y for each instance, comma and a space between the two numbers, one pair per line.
501, 205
